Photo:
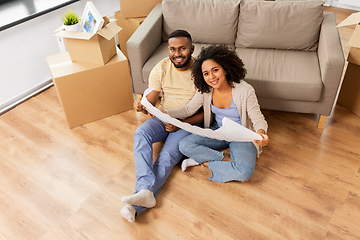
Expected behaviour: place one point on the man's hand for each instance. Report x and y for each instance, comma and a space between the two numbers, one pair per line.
139, 107
170, 128
152, 97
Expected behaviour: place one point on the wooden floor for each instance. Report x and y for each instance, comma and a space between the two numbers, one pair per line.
59, 184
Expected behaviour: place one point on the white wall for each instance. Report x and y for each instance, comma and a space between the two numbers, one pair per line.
24, 48
340, 4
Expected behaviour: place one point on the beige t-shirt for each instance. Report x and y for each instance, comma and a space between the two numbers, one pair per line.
176, 87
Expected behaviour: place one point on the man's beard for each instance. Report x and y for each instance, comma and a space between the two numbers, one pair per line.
180, 65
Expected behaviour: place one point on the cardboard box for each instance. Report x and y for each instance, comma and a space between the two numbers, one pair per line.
89, 92
349, 95
354, 55
128, 27
137, 8
97, 48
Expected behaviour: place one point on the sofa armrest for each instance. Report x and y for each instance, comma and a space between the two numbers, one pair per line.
331, 61
142, 44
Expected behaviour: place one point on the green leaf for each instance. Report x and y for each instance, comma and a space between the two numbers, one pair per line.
70, 18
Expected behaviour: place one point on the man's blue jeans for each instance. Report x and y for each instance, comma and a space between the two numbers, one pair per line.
203, 149
149, 175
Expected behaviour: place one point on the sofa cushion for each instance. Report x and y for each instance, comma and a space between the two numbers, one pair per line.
291, 25
211, 21
282, 74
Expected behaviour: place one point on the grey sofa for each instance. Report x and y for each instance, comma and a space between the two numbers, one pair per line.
291, 49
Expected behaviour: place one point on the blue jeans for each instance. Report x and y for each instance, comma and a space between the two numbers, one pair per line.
203, 149
149, 175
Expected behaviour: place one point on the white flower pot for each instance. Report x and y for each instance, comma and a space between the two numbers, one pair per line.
72, 28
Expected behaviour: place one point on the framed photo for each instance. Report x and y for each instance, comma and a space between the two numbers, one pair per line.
91, 20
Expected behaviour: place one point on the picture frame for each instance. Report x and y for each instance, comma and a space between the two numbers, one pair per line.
91, 20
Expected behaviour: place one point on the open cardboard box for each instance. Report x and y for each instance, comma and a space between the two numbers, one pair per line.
129, 26
89, 92
349, 95
354, 42
137, 8
97, 48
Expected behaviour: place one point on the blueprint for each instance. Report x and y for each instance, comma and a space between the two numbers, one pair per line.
230, 130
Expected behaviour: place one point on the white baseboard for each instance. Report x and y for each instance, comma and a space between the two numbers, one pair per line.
9, 104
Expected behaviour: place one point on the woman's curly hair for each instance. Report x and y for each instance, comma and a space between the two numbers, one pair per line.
226, 58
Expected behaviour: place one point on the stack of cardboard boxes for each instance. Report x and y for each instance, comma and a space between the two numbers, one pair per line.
349, 96
93, 78
129, 18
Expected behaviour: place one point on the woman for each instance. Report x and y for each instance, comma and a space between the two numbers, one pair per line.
218, 74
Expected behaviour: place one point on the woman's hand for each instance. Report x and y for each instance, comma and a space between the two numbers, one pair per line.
265, 139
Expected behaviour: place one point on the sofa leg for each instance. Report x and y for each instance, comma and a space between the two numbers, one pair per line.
322, 121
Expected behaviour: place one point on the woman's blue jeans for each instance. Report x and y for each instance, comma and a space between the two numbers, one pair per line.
203, 149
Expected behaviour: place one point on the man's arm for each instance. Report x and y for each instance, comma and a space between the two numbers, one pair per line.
155, 83
153, 97
198, 117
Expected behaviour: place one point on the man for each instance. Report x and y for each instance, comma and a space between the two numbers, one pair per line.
172, 78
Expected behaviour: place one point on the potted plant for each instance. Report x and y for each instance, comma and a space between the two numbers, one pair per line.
71, 21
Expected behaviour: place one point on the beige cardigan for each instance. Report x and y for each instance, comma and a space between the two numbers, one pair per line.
245, 100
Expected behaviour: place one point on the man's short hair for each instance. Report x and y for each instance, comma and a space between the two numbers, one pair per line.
180, 33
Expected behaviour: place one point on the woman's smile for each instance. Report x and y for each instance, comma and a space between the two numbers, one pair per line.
214, 82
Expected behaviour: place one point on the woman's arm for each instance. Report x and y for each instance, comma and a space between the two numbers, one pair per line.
257, 118
254, 112
188, 109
